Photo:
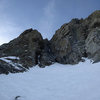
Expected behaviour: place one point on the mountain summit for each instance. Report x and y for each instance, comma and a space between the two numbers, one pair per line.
74, 40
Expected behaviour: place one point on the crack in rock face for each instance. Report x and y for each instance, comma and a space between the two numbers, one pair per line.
74, 40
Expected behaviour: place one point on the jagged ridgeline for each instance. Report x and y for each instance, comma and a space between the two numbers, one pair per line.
74, 40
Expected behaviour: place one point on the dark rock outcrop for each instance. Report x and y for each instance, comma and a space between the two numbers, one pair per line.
47, 57
10, 67
70, 41
27, 47
74, 40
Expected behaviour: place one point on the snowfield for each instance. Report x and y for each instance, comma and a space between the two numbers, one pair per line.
55, 82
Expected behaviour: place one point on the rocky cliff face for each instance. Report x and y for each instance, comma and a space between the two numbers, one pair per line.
70, 42
74, 40
27, 47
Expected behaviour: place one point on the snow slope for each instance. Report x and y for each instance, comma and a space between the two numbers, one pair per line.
56, 82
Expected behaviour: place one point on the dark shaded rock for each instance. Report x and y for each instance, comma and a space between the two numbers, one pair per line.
47, 57
93, 20
17, 97
5, 68
27, 47
68, 43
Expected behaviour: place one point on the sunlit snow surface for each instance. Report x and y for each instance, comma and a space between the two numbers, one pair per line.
56, 82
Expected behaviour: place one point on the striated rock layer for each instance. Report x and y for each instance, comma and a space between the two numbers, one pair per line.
70, 42
74, 40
